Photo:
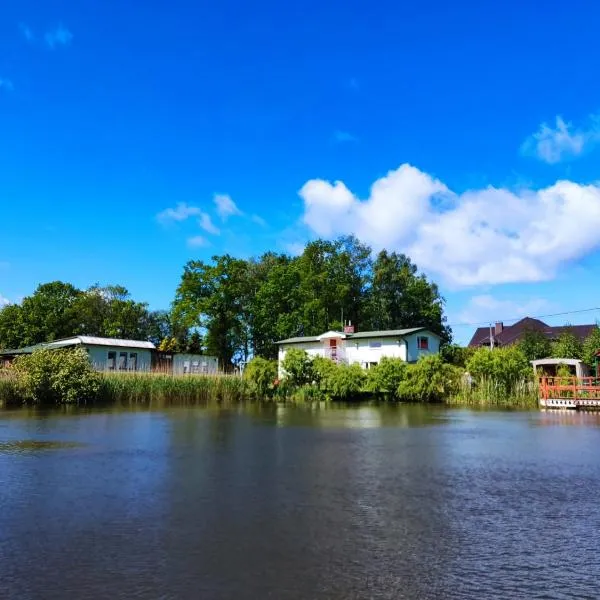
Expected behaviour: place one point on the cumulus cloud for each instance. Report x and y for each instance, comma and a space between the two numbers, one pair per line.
6, 85
341, 137
57, 37
226, 207
197, 241
206, 223
561, 142
180, 213
485, 236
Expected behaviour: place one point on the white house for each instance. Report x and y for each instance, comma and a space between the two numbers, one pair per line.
366, 348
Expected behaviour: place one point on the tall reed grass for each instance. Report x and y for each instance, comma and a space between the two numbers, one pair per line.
491, 393
9, 393
136, 388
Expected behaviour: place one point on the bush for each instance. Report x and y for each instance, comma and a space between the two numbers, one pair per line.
456, 355
591, 345
506, 366
385, 377
345, 382
567, 346
57, 377
261, 374
297, 367
429, 380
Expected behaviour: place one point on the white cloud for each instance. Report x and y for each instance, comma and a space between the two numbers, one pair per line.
258, 220
59, 36
562, 142
226, 207
180, 213
198, 242
341, 137
485, 308
485, 236
27, 32
6, 84
4, 301
206, 223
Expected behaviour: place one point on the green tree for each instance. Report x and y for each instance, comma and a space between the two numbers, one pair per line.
567, 346
591, 346
534, 345
11, 326
507, 366
399, 297
456, 355
386, 376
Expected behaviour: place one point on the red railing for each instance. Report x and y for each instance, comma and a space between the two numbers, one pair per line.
569, 388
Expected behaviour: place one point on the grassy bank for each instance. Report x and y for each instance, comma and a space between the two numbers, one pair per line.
135, 388
493, 394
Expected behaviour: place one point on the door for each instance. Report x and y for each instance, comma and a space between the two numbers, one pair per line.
333, 348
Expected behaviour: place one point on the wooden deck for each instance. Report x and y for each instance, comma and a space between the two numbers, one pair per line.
570, 392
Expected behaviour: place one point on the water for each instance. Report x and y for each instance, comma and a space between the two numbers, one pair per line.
282, 503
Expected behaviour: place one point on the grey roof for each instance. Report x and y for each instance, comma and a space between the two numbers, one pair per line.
360, 335
24, 350
89, 340
555, 361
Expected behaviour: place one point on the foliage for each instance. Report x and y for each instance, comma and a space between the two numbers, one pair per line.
148, 388
535, 345
385, 377
323, 369
9, 392
261, 374
57, 310
297, 367
246, 306
567, 346
456, 355
56, 377
429, 380
591, 345
346, 382
488, 392
505, 366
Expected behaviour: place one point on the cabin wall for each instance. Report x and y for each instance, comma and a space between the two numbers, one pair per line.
371, 350
190, 364
99, 357
414, 353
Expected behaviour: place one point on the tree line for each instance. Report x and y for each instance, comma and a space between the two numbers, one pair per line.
236, 308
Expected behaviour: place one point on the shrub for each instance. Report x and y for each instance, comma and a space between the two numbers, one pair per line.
323, 371
261, 374
534, 345
591, 345
56, 377
567, 346
385, 377
345, 382
506, 366
456, 355
429, 380
297, 367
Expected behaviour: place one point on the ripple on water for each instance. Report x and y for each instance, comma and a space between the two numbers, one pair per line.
29, 446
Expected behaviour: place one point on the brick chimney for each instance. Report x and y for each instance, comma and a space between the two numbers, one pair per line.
499, 328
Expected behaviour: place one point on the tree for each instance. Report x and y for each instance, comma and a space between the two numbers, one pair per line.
429, 380
567, 346
297, 366
506, 366
535, 345
591, 346
399, 297
386, 376
456, 355
261, 374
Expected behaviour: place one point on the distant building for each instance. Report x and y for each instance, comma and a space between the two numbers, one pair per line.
366, 348
501, 335
111, 354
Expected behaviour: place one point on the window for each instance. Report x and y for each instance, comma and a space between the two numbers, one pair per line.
374, 344
122, 361
111, 361
423, 343
133, 361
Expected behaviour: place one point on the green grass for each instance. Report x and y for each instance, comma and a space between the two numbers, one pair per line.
135, 388
8, 388
489, 393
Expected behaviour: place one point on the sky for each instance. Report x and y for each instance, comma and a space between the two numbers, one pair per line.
137, 136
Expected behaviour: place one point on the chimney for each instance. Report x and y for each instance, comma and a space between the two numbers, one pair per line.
499, 328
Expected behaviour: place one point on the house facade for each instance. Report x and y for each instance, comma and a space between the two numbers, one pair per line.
507, 335
365, 348
111, 354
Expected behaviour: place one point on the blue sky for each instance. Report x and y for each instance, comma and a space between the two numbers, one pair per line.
464, 133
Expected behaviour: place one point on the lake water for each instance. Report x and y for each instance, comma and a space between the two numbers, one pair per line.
268, 502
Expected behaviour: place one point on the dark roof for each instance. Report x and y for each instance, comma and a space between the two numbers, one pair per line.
360, 335
511, 334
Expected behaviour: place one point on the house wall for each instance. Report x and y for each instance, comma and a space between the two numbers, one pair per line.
99, 357
413, 353
184, 364
372, 350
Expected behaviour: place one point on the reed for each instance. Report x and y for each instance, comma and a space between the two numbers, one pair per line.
491, 393
137, 388
9, 393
